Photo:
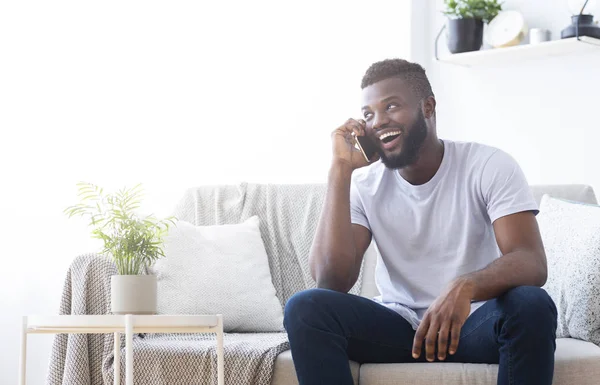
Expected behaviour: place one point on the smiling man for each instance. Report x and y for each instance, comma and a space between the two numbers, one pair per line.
461, 259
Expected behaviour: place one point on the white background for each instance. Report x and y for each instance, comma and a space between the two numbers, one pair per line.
170, 94
545, 112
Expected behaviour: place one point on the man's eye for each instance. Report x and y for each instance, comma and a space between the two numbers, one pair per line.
367, 115
392, 105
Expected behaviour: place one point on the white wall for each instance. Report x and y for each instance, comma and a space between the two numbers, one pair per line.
170, 94
545, 113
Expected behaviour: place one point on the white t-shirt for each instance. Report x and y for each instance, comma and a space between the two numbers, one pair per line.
430, 234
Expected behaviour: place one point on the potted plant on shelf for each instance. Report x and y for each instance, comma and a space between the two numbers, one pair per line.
133, 242
465, 23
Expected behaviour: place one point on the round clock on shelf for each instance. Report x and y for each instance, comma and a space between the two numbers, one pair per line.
506, 30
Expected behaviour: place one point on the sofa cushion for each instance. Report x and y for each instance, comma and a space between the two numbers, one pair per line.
219, 270
571, 235
285, 374
577, 362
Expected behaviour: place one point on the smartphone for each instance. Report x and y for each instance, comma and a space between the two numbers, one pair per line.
366, 147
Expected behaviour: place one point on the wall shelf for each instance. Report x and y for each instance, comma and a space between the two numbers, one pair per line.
510, 55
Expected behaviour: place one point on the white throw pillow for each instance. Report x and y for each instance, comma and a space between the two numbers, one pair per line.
219, 270
571, 235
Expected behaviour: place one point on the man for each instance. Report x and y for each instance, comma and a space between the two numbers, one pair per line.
461, 259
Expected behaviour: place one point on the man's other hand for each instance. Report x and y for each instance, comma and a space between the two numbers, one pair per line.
443, 321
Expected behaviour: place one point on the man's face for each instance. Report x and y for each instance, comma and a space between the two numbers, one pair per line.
395, 122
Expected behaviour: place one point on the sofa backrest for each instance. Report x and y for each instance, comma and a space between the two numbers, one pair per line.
573, 192
288, 218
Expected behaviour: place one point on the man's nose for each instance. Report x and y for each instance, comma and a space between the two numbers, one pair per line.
379, 120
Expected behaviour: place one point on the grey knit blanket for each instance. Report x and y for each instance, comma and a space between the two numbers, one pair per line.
288, 216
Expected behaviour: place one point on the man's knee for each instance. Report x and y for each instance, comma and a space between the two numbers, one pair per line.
530, 307
306, 307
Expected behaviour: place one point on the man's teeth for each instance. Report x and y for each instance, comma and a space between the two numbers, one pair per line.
388, 134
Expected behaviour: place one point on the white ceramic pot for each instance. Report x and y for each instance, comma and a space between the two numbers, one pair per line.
133, 294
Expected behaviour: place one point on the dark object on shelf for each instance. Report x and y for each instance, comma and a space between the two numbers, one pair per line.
465, 35
582, 25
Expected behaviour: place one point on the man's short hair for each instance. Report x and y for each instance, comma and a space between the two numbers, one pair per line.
413, 73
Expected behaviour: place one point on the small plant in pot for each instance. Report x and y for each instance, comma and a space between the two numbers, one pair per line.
133, 242
465, 23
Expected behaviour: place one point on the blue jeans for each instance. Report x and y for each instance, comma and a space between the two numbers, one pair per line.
327, 328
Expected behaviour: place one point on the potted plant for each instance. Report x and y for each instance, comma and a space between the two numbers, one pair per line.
465, 23
133, 242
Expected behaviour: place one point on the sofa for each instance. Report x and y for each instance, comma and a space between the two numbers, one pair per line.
577, 361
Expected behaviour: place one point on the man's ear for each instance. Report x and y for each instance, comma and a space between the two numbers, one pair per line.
429, 104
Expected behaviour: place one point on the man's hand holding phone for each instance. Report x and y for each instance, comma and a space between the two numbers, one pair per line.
345, 144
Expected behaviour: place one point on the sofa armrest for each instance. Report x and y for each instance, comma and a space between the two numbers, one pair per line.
87, 286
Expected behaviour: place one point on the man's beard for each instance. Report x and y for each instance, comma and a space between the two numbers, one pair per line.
411, 145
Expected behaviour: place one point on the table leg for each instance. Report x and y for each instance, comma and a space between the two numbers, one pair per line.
23, 358
117, 361
220, 353
129, 349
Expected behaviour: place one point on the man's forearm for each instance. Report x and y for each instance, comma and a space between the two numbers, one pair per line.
519, 268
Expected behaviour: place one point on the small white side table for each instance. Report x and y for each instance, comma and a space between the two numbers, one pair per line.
128, 324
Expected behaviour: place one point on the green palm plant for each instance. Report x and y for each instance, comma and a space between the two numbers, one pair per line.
134, 242
484, 10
